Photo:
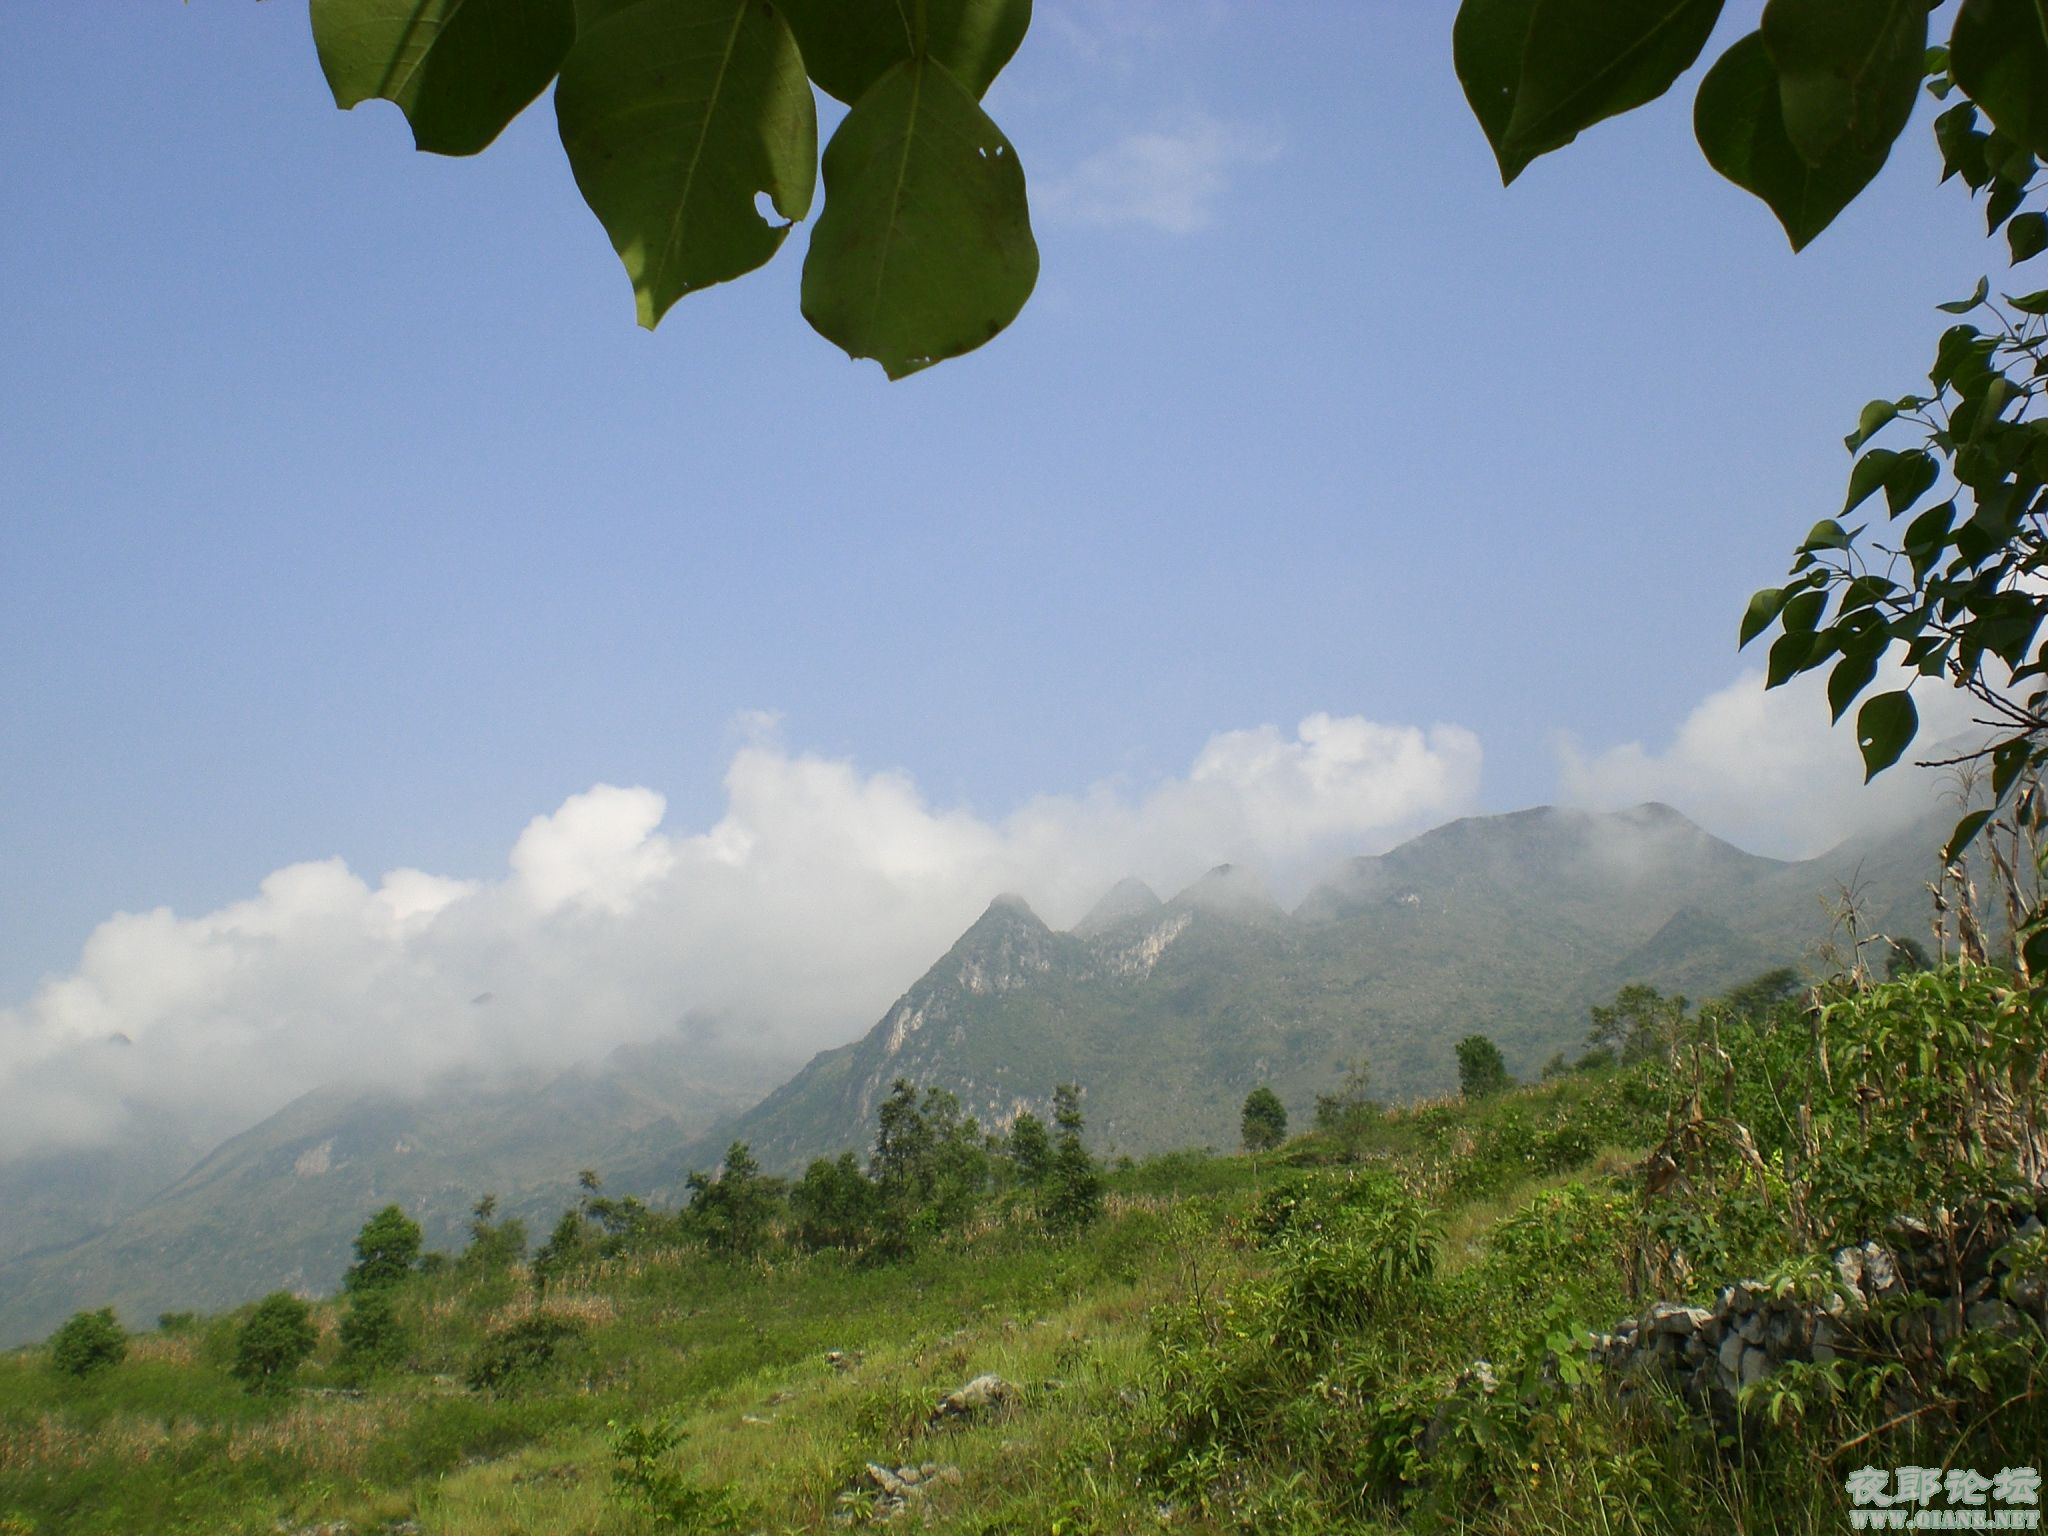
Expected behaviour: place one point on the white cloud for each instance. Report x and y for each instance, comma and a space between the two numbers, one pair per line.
1171, 180
1766, 770
793, 921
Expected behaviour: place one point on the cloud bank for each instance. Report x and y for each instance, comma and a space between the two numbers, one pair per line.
792, 922
1767, 771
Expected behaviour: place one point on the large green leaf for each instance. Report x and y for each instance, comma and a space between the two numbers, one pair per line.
1849, 71
1538, 72
460, 70
850, 44
1999, 56
1884, 727
924, 250
675, 115
1741, 127
1486, 45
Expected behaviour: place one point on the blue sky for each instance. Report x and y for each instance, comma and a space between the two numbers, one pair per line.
345, 512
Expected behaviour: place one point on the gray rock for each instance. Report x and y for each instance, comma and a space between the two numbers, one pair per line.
1756, 1365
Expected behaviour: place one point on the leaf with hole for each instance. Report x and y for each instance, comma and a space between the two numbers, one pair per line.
1884, 728
676, 114
459, 70
924, 250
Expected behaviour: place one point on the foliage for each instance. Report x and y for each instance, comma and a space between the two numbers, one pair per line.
273, 1342
373, 1335
571, 1244
87, 1343
387, 1249
730, 1213
1481, 1072
835, 1205
1640, 1024
523, 1352
1263, 1125
1071, 1196
493, 1245
928, 1165
1029, 1150
1347, 1112
676, 114
644, 1479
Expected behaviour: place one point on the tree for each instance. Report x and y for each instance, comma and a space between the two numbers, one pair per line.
1904, 957
387, 1249
372, 1332
1481, 1072
1640, 1023
928, 1163
1029, 1150
88, 1343
835, 1204
1071, 1196
1263, 1125
675, 114
731, 1212
1350, 1109
1756, 997
493, 1245
570, 1244
273, 1342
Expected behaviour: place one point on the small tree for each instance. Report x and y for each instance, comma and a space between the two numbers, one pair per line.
493, 1245
570, 1244
1029, 1150
274, 1342
372, 1333
1640, 1023
387, 1249
88, 1342
1350, 1109
1264, 1123
1481, 1072
1071, 1197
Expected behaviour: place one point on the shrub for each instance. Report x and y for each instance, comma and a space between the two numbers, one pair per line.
522, 1352
1265, 1120
1481, 1072
89, 1342
274, 1342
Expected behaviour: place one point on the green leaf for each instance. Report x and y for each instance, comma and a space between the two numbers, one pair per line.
2009, 760
1964, 306
459, 70
924, 250
850, 44
1741, 128
1875, 417
1539, 72
1804, 611
1866, 479
1911, 475
1884, 727
2027, 235
1829, 534
2030, 303
1849, 72
1764, 608
1851, 676
1964, 834
1791, 653
675, 115
1999, 56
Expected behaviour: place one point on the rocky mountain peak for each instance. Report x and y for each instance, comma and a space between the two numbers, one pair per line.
1130, 900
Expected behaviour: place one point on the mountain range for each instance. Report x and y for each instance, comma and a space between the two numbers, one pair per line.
1165, 1011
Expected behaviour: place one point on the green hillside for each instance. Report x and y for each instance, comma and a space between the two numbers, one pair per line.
1169, 1013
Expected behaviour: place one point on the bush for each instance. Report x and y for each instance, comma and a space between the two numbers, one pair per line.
522, 1352
386, 1250
89, 1342
274, 1342
1265, 1120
